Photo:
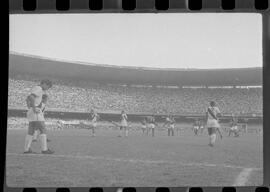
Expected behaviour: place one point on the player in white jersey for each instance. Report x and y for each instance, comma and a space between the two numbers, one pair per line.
151, 124
123, 124
212, 115
169, 124
233, 126
196, 126
144, 126
95, 117
35, 117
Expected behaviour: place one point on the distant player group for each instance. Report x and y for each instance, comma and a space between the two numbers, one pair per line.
148, 124
36, 103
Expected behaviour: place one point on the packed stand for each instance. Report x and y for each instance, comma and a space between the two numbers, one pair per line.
81, 96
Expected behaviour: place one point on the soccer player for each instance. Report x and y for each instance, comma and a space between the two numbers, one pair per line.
172, 125
166, 124
212, 114
245, 125
42, 108
196, 126
35, 117
60, 124
169, 123
152, 124
95, 117
201, 126
124, 125
233, 128
144, 126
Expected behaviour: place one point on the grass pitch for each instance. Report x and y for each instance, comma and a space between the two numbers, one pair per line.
136, 161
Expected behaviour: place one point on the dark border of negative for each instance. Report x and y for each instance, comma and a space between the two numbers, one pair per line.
174, 6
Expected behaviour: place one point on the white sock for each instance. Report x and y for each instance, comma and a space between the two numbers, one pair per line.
43, 140
35, 135
28, 142
126, 133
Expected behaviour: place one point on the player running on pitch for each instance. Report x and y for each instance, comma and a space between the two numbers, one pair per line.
35, 117
212, 115
95, 117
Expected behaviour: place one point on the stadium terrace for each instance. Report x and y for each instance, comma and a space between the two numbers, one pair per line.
109, 74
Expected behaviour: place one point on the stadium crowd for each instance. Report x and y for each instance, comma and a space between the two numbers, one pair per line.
81, 96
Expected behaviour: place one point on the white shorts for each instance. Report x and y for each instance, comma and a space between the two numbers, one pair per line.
212, 123
124, 123
171, 126
234, 128
94, 124
196, 127
152, 126
144, 127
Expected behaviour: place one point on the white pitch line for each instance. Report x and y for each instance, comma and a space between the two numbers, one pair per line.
243, 177
131, 160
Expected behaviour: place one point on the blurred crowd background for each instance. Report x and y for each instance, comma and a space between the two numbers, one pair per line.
82, 96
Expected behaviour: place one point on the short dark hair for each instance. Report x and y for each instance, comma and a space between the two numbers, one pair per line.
47, 82
44, 96
212, 103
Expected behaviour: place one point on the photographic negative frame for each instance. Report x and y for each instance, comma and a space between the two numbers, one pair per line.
172, 6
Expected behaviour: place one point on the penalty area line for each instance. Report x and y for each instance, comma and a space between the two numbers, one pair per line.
130, 160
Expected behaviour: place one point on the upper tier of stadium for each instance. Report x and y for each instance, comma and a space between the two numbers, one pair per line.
20, 63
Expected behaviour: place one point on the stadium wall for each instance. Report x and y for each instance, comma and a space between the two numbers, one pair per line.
187, 118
